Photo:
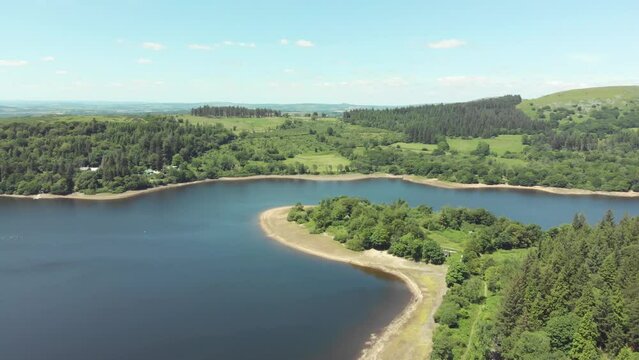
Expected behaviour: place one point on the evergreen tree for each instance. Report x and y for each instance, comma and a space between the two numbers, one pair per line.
584, 343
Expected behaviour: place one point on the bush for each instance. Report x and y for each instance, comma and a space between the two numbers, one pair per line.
457, 273
448, 314
532, 345
561, 330
340, 234
433, 253
355, 244
60, 187
444, 344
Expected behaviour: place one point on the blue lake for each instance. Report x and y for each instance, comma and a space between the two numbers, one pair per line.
188, 274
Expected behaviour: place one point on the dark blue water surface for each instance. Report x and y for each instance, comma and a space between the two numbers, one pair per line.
188, 274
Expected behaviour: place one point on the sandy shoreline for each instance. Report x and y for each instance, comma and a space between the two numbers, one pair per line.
409, 335
342, 177
546, 189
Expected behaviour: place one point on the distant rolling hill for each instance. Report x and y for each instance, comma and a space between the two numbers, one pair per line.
35, 108
584, 100
621, 97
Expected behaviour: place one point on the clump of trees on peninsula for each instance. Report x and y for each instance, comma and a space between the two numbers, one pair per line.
403, 231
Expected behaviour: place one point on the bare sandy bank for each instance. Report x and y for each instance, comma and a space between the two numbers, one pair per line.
342, 177
546, 189
409, 335
133, 193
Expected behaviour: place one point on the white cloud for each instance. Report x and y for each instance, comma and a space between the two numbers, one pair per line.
144, 61
240, 44
283, 41
13, 62
586, 58
383, 83
199, 47
48, 59
463, 80
143, 83
289, 71
304, 43
446, 44
61, 72
153, 46
395, 81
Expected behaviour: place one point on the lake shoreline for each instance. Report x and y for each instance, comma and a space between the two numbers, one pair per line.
341, 177
409, 335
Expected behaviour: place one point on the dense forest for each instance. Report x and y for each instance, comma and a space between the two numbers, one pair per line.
515, 291
62, 157
431, 123
233, 111
575, 296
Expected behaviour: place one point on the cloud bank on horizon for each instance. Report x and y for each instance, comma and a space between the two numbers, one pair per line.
331, 51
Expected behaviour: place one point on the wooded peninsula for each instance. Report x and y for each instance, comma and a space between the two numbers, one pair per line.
515, 291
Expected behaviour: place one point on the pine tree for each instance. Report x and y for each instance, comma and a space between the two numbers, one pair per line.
612, 321
579, 221
583, 345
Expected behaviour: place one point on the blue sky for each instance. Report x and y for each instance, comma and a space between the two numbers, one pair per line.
365, 52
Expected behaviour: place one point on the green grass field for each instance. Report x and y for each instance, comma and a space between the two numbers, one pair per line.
450, 239
417, 147
499, 145
324, 162
509, 162
238, 124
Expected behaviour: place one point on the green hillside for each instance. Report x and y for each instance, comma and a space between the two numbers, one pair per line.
583, 100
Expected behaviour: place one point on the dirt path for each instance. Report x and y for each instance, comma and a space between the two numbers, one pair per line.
474, 326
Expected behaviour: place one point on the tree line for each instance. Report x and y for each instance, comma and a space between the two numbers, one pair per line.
616, 170
431, 123
233, 111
